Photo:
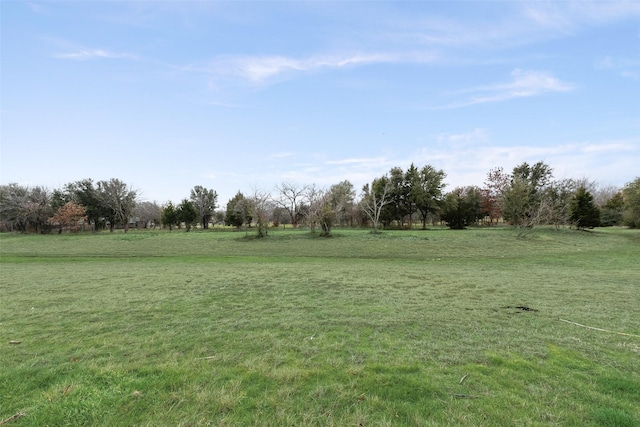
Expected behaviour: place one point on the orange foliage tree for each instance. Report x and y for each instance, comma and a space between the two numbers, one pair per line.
69, 215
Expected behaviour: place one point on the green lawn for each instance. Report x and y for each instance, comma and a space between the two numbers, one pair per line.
416, 328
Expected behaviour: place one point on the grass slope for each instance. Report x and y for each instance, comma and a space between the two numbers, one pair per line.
404, 328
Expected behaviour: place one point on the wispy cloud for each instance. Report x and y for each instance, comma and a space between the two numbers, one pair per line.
357, 161
469, 165
525, 83
476, 136
37, 7
260, 69
283, 154
625, 67
84, 54
223, 104
566, 16
511, 25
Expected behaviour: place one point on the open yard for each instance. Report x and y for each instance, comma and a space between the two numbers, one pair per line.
415, 328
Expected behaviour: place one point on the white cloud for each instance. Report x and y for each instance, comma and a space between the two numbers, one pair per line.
476, 136
569, 15
513, 24
356, 161
469, 164
525, 83
87, 54
283, 155
259, 69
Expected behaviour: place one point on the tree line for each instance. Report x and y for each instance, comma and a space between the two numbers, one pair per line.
524, 198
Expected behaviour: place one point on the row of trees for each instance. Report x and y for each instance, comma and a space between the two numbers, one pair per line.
101, 204
526, 197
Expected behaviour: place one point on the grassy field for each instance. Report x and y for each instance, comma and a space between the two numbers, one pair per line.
415, 328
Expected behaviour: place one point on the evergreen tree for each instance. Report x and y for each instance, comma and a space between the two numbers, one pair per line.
187, 213
631, 196
584, 212
238, 211
612, 211
462, 207
169, 216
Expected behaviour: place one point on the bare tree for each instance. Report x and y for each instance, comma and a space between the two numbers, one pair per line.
13, 199
292, 197
374, 198
557, 199
148, 213
313, 197
260, 202
25, 208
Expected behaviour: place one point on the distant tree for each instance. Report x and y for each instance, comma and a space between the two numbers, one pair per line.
374, 198
147, 213
219, 217
558, 196
260, 208
291, 198
492, 192
631, 197
84, 193
462, 207
69, 215
584, 212
118, 201
327, 213
324, 207
411, 179
523, 201
280, 216
310, 209
38, 209
238, 211
205, 202
342, 196
187, 213
25, 208
601, 193
612, 211
400, 204
426, 191
170, 216
13, 200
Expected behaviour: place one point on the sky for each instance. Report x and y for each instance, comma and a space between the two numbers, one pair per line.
245, 95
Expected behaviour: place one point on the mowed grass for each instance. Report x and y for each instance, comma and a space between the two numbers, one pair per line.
415, 328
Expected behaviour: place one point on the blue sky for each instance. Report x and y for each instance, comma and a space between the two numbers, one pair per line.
240, 95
